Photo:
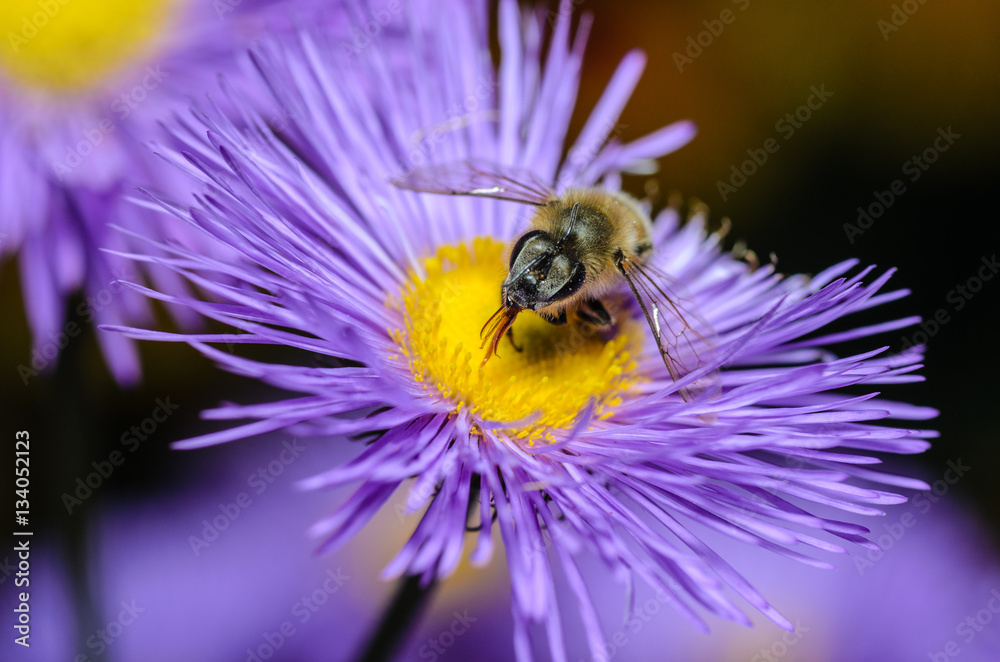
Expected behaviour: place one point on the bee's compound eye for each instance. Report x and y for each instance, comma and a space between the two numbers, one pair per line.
519, 246
573, 284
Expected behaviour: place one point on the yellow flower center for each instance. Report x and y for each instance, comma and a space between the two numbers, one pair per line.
541, 388
69, 45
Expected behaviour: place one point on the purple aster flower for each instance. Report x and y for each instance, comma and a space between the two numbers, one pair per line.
82, 84
934, 588
183, 573
584, 441
938, 570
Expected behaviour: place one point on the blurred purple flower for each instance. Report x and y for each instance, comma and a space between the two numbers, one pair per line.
82, 85
216, 569
933, 588
582, 442
916, 598
939, 571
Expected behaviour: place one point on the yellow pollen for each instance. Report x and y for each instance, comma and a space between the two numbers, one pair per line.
69, 45
542, 388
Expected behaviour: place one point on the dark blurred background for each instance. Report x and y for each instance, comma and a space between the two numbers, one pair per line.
890, 92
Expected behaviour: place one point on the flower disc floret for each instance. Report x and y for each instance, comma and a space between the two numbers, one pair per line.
66, 46
542, 387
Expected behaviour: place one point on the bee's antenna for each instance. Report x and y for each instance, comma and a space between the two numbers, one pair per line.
572, 224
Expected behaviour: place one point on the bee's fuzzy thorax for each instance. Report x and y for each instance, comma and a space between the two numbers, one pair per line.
606, 222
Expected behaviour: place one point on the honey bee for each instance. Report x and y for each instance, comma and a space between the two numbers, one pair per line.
580, 246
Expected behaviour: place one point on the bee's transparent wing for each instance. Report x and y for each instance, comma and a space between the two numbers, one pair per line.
686, 341
480, 178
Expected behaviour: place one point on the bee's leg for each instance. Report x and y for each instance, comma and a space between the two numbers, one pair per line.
558, 320
644, 248
510, 337
594, 312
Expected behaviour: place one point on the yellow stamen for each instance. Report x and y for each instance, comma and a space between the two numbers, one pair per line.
542, 388
70, 45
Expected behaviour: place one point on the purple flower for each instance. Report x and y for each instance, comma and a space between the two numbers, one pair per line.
938, 570
216, 569
81, 87
580, 443
934, 588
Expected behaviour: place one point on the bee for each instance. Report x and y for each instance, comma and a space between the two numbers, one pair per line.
581, 245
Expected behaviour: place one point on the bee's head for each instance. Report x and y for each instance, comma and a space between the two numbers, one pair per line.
541, 272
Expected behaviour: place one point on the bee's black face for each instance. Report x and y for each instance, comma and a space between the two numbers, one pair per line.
541, 273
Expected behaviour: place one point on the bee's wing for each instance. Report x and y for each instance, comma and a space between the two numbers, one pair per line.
683, 337
480, 178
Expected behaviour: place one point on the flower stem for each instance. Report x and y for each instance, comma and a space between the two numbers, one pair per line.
398, 620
